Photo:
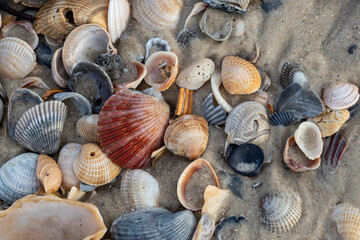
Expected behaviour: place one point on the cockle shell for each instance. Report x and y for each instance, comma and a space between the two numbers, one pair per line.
270, 5
118, 17
216, 24
23, 30
280, 211
68, 155
17, 58
292, 72
330, 121
93, 167
214, 201
48, 172
131, 126
44, 217
347, 218
340, 95
239, 76
58, 70
308, 137
86, 127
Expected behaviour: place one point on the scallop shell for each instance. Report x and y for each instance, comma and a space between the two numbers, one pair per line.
341, 95
18, 177
86, 127
216, 24
227, 5
347, 218
280, 212
215, 199
68, 155
308, 138
270, 5
17, 58
58, 70
214, 115
330, 121
156, 223
23, 30
118, 17
157, 14
292, 72
131, 126
139, 189
239, 76
48, 172
93, 167
205, 228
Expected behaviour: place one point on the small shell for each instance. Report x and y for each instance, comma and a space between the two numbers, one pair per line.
239, 27
205, 228
112, 64
270, 5
81, 102
214, 115
118, 17
22, 30
184, 102
334, 148
156, 45
215, 84
227, 228
215, 199
354, 110
68, 155
186, 36
347, 218
244, 3
292, 72
132, 75
280, 212
341, 95
86, 127
58, 70
308, 138
33, 82
283, 118
44, 54
330, 121
227, 5
31, 3
48, 172
216, 24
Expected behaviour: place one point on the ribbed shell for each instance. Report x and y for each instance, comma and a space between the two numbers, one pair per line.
330, 121
18, 177
292, 72
139, 189
23, 30
118, 17
48, 172
283, 118
157, 14
341, 95
280, 212
154, 224
93, 167
244, 3
58, 70
214, 115
17, 58
68, 155
347, 218
39, 128
131, 126
270, 5
308, 138
239, 76
86, 127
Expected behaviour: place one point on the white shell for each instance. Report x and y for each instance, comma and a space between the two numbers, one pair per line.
16, 29
68, 155
118, 17
60, 77
215, 84
340, 95
308, 138
347, 218
86, 127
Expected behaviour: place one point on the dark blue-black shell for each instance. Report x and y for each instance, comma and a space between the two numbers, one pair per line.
234, 221
283, 118
214, 115
270, 5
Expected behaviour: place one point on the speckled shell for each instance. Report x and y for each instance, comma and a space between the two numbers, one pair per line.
330, 121
239, 76
347, 218
48, 172
131, 126
187, 136
53, 20
308, 137
118, 17
93, 167
17, 58
18, 177
280, 212
139, 189
68, 155
39, 128
214, 199
86, 127
341, 95
16, 29
157, 14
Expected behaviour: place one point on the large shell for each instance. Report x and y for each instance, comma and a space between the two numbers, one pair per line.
330, 121
341, 95
216, 24
239, 76
48, 172
44, 217
68, 155
154, 223
86, 127
157, 14
17, 58
280, 212
187, 136
18, 177
215, 199
347, 218
308, 137
23, 30
131, 126
118, 17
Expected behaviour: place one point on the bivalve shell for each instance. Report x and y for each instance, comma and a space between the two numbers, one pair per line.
118, 17
48, 172
86, 127
292, 72
68, 155
216, 24
23, 30
341, 95
31, 3
330, 121
58, 70
347, 218
308, 137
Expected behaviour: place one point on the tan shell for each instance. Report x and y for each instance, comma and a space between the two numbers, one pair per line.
205, 228
48, 172
308, 137
31, 3
58, 70
347, 218
68, 155
118, 17
215, 199
86, 127
23, 30
194, 76
244, 3
44, 217
330, 121
341, 95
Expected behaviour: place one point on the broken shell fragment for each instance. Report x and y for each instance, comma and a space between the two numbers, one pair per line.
22, 30
31, 3
58, 70
330, 121
308, 137
186, 36
292, 72
214, 115
283, 118
48, 172
185, 102
228, 227
214, 201
86, 127
227, 5
205, 228
334, 148
156, 45
216, 24
68, 155
270, 5
347, 218
118, 17
341, 95
215, 84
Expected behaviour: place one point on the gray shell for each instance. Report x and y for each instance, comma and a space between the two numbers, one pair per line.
270, 5
283, 118
186, 36
2, 101
214, 115
156, 45
226, 5
80, 101
292, 72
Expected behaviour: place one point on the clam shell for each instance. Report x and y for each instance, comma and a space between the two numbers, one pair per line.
156, 45
23, 30
239, 76
139, 189
280, 211
228, 227
154, 223
354, 109
81, 102
68, 155
187, 136
32, 3
205, 228
131, 126
18, 177
347, 218
17, 58
341, 95
118, 17
334, 148
86, 127
215, 199
283, 118
48, 172
44, 54
93, 167
186, 36
58, 70
214, 115
270, 5
244, 3
330, 121
216, 24
308, 137
226, 5
292, 72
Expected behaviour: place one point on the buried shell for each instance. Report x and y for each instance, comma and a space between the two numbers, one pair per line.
347, 218
156, 223
292, 72
283, 118
216, 24
341, 95
58, 71
86, 127
68, 155
186, 36
270, 5
48, 172
22, 30
214, 115
308, 137
118, 17
334, 148
330, 121
228, 227
227, 5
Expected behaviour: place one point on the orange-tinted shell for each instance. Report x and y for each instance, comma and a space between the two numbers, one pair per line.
239, 76
215, 199
330, 121
86, 127
48, 172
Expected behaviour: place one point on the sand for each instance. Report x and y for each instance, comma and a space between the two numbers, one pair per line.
314, 33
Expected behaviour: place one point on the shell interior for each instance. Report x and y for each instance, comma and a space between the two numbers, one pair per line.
216, 24
226, 5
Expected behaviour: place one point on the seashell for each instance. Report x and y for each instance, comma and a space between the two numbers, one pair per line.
162, 69
194, 76
156, 45
239, 76
352, 48
186, 36
56, 19
205, 228
81, 102
239, 27
347, 218
214, 115
32, 3
39, 128
292, 72
227, 227
270, 5
93, 167
42, 216
157, 14
157, 223
233, 182
85, 44
185, 102
330, 121
190, 190
44, 54
139, 189
22, 30
244, 3
2, 101
283, 118
280, 211
308, 137
216, 24
118, 17
187, 136
17, 58
18, 178
215, 199
154, 93
33, 82
58, 70
246, 159
341, 95
68, 155
215, 84
130, 111
227, 5
86, 127
48, 172
133, 71
111, 64
354, 109
334, 148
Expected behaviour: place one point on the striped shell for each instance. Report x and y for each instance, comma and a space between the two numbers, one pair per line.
93, 167
330, 121
157, 14
341, 95
347, 218
18, 177
86, 127
17, 58
308, 137
118, 17
239, 76
131, 126
244, 3
214, 115
280, 212
48, 172
292, 72
68, 155
23, 30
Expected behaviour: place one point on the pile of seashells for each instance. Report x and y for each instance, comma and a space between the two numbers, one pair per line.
131, 129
